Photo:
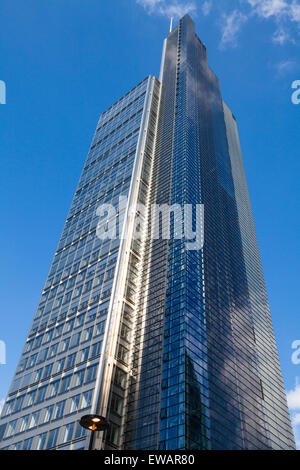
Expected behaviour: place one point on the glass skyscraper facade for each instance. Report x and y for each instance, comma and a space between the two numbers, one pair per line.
174, 345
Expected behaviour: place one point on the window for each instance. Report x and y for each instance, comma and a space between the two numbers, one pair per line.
69, 325
11, 428
83, 355
52, 439
48, 370
77, 291
65, 384
41, 392
27, 444
78, 378
96, 348
68, 432
30, 398
88, 286
87, 334
42, 355
16, 446
32, 361
53, 350
38, 341
123, 353
75, 340
58, 301
33, 422
8, 407
86, 399
74, 403
37, 375
79, 321
15, 385
120, 378
99, 328
23, 423
71, 360
48, 336
65, 345
125, 332
92, 314
28, 346
113, 434
60, 365
19, 403
117, 404
58, 331
53, 388
91, 373
59, 410
48, 413
80, 431
41, 439
22, 365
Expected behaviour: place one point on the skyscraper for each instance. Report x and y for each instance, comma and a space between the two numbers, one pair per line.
171, 341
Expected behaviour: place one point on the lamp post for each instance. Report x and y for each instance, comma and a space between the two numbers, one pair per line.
93, 423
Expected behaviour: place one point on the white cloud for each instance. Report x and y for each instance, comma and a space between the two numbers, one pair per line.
285, 66
206, 8
296, 419
232, 24
1, 404
279, 9
175, 8
295, 11
283, 12
296, 427
293, 397
268, 8
281, 36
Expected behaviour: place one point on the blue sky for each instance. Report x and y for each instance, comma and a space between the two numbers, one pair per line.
65, 61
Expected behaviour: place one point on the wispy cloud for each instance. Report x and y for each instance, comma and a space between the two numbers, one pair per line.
231, 25
206, 8
283, 13
295, 11
296, 426
280, 10
293, 397
269, 8
173, 8
2, 401
285, 66
281, 36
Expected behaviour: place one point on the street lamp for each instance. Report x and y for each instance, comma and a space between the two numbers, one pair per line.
93, 423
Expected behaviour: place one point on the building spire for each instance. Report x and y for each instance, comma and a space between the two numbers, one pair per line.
171, 23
